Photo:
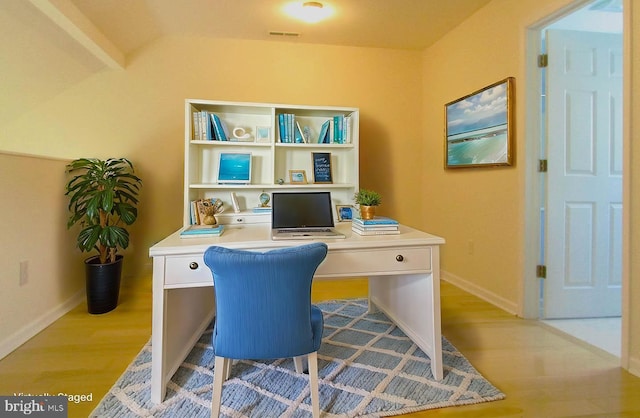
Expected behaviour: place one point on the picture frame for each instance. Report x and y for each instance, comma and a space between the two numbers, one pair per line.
263, 134
479, 127
321, 162
344, 213
297, 177
234, 168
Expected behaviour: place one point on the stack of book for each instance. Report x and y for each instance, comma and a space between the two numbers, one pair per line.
202, 231
262, 209
379, 225
208, 126
335, 130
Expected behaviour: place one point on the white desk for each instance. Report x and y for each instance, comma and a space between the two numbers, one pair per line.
403, 272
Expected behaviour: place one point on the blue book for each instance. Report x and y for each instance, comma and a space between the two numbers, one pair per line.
298, 136
377, 220
281, 126
220, 132
260, 209
324, 133
338, 129
207, 132
290, 133
202, 231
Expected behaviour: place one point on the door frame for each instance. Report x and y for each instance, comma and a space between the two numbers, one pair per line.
530, 286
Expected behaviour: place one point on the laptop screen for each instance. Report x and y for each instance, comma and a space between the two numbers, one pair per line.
301, 210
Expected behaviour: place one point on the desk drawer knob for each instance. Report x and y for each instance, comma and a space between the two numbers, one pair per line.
193, 265
399, 258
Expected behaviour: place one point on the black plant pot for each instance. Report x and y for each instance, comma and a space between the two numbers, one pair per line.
103, 284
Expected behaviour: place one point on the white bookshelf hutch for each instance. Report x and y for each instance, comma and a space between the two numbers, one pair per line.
271, 158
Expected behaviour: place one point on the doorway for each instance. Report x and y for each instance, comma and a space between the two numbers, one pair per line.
581, 193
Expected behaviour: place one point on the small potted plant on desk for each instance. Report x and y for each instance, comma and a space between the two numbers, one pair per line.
103, 195
367, 200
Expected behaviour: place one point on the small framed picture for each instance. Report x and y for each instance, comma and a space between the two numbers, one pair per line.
297, 177
263, 134
344, 212
321, 167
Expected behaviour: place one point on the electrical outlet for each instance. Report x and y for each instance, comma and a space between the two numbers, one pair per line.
470, 247
24, 273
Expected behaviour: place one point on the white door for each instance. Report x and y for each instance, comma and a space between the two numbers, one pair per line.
584, 178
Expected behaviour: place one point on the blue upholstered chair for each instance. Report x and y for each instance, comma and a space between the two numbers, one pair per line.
264, 310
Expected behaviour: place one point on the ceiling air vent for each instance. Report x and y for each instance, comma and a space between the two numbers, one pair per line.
284, 34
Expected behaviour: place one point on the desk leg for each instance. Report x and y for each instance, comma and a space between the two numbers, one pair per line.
412, 302
158, 382
179, 318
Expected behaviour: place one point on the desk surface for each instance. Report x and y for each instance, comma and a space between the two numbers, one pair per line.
258, 236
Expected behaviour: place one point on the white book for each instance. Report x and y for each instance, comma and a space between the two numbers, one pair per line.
375, 232
374, 227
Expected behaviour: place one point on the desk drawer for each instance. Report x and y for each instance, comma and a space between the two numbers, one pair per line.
243, 218
186, 269
373, 262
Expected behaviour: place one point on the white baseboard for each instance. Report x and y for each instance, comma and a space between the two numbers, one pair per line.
634, 366
7, 345
480, 292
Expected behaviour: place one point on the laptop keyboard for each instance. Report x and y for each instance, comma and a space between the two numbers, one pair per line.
285, 231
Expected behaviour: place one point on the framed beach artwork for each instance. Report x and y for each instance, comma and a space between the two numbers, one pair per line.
479, 127
297, 177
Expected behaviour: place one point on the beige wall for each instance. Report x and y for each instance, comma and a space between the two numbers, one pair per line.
482, 208
486, 206
139, 113
33, 225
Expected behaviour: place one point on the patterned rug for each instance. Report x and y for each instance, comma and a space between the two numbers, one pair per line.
367, 368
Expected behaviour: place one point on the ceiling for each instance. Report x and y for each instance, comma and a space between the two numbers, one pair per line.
47, 46
398, 24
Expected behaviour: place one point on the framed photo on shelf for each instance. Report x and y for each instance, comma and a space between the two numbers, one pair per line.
263, 134
479, 127
321, 167
297, 177
344, 212
234, 168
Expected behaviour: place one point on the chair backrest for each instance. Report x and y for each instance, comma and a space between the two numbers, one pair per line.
263, 301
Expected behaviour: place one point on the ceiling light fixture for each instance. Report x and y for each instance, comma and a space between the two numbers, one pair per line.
312, 4
309, 11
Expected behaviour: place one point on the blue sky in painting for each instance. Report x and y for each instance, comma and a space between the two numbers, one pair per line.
483, 110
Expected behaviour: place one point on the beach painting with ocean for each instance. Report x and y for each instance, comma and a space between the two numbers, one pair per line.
478, 131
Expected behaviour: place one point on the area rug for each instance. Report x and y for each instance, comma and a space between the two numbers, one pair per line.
367, 368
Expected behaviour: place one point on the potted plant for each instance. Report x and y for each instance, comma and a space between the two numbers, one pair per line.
367, 200
103, 195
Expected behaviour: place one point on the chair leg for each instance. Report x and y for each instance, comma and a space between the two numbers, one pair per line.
227, 372
299, 364
313, 383
221, 368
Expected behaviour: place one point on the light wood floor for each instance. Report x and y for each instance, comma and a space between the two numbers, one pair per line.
543, 373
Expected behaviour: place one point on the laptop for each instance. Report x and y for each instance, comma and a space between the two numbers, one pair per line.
302, 215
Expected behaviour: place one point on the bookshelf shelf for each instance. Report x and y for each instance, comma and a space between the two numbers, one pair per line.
272, 157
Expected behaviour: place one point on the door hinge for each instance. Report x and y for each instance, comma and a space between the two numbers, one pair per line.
543, 60
541, 271
542, 166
